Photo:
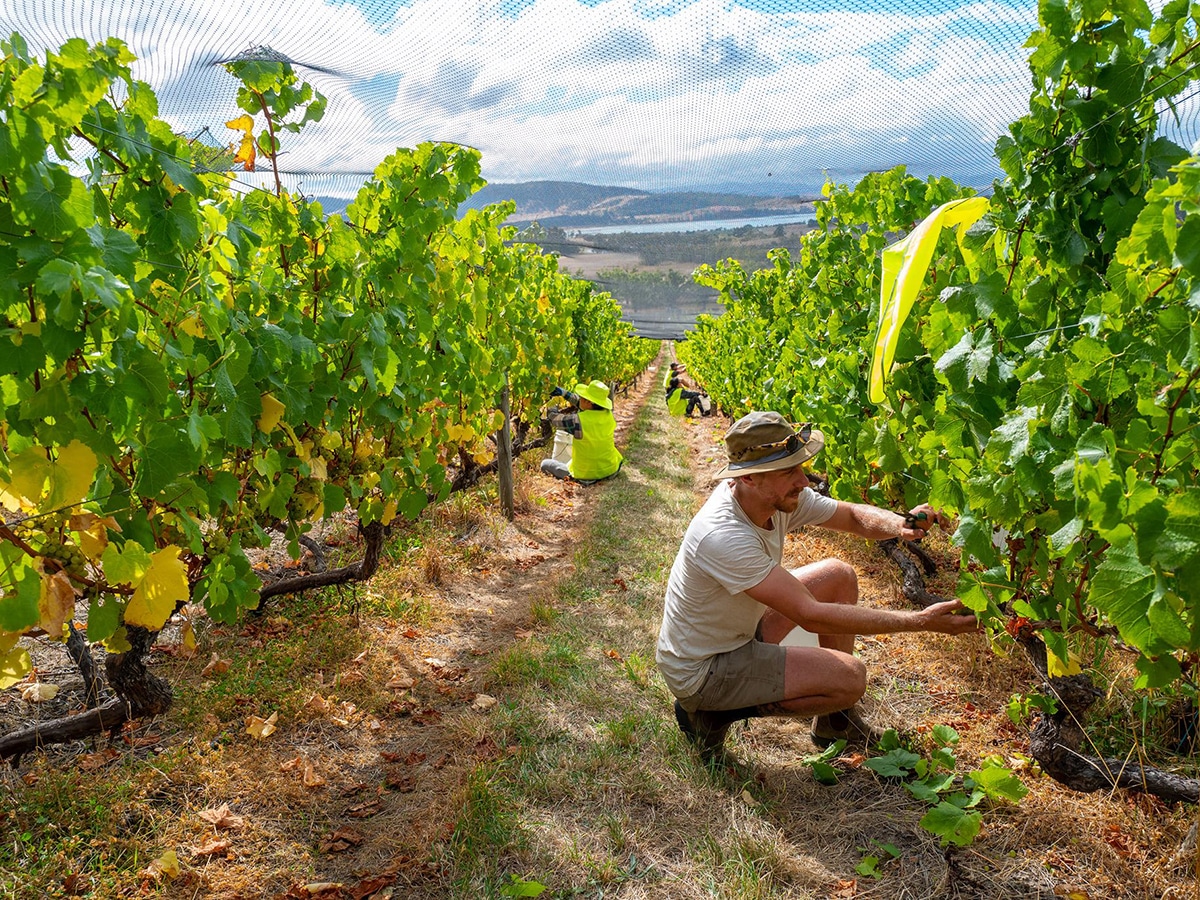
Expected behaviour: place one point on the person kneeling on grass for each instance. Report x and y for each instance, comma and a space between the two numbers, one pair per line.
594, 454
680, 400
741, 636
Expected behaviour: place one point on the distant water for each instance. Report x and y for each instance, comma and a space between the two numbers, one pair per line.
793, 218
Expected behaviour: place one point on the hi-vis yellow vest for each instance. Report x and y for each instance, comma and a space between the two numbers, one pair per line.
667, 376
676, 405
595, 455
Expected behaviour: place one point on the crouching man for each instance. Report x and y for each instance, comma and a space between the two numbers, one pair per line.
741, 636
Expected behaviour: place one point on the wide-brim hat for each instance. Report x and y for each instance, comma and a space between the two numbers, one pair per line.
765, 442
597, 392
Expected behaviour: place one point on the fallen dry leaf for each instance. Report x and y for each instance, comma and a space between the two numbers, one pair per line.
215, 847
342, 839
853, 760
216, 666
261, 728
332, 890
165, 868
523, 635
398, 781
221, 818
372, 887
365, 810
483, 701
38, 692
318, 704
90, 762
400, 683
310, 777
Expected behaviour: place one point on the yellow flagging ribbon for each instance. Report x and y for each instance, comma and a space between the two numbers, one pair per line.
904, 265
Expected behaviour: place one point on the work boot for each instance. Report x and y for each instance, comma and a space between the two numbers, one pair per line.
847, 725
705, 729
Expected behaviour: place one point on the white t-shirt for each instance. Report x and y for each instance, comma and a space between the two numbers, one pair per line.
707, 609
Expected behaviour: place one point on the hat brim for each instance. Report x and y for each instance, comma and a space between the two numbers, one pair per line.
814, 445
588, 393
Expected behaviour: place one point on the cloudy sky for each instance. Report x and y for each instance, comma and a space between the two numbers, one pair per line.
766, 96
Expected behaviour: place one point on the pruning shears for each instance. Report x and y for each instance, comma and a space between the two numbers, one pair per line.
914, 520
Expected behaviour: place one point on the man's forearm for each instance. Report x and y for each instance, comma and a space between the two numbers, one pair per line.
873, 523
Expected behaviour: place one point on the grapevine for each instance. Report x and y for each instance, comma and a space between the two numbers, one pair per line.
1045, 390
187, 366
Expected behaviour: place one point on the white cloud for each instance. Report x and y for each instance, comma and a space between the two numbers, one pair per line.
675, 95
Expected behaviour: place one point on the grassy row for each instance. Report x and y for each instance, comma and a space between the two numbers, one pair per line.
598, 793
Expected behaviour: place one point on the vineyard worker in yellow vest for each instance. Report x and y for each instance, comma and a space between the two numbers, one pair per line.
594, 455
674, 370
680, 400
742, 636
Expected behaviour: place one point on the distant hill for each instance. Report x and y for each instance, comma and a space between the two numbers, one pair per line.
570, 204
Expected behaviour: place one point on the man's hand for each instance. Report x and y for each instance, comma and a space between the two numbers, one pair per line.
945, 618
919, 520
557, 392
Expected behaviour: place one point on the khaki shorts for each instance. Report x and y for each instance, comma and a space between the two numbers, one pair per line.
748, 676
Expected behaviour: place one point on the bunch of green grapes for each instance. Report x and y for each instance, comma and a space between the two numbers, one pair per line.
217, 541
47, 534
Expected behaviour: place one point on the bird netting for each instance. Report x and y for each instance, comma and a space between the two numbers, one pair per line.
767, 97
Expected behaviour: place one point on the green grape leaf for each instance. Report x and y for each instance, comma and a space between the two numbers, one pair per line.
952, 824
1122, 589
898, 763
104, 616
998, 782
20, 590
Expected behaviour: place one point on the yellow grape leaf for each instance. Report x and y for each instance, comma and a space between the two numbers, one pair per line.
192, 325
543, 303
15, 663
10, 500
71, 475
261, 728
246, 153
125, 565
904, 266
155, 597
243, 123
497, 420
271, 414
317, 468
188, 641
27, 472
56, 603
454, 432
166, 867
481, 458
93, 532
389, 512
1056, 668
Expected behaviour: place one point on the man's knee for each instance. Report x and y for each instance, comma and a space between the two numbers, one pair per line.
830, 580
847, 578
853, 685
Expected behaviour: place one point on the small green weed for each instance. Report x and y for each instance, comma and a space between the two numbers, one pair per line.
953, 818
868, 867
